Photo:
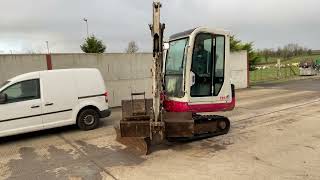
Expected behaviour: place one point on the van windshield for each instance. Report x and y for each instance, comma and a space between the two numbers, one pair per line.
3, 84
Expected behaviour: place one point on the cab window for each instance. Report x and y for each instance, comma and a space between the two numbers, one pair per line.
202, 65
174, 69
208, 65
23, 91
219, 64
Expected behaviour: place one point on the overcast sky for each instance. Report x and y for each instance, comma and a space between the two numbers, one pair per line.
25, 25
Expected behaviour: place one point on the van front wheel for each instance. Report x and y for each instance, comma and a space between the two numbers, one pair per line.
88, 119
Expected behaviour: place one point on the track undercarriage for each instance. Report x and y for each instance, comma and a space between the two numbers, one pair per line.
138, 131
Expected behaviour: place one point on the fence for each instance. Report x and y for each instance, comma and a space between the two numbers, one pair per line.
263, 74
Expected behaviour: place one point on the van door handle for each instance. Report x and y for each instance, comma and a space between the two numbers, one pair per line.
48, 104
35, 106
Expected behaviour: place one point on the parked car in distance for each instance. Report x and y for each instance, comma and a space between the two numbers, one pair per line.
47, 99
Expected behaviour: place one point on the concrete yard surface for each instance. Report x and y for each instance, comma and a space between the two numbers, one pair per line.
274, 135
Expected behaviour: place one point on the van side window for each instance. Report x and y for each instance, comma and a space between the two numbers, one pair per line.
23, 91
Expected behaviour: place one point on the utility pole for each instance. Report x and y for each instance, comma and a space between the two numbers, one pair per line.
47, 43
86, 20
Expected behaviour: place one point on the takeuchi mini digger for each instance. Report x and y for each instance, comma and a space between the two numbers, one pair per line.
193, 78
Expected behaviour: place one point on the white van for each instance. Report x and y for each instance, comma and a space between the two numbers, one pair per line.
48, 99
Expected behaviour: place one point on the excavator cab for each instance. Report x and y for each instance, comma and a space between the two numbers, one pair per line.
197, 72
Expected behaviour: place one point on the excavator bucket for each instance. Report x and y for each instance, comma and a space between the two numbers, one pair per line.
140, 146
134, 129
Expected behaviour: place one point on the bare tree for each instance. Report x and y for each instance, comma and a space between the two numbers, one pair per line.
132, 47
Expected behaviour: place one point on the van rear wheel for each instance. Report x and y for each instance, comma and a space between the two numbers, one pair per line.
88, 119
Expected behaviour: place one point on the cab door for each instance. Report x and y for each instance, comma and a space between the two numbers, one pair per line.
23, 109
207, 68
202, 67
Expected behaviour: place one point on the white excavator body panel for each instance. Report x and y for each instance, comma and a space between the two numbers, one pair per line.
197, 71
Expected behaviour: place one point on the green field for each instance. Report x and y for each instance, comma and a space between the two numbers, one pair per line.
273, 73
289, 61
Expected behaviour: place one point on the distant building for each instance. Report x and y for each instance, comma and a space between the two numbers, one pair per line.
315, 52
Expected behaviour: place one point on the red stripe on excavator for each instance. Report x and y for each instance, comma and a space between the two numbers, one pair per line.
175, 106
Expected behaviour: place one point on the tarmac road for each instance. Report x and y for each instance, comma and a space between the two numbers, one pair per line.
274, 135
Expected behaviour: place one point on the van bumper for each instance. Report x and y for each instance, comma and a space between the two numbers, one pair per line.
105, 113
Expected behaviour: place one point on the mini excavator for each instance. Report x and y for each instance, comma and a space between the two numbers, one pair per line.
191, 80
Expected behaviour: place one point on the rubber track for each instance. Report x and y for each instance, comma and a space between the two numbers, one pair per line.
204, 118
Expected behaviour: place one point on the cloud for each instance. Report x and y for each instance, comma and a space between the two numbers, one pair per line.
269, 23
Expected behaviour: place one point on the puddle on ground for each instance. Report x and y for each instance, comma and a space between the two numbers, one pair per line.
110, 157
215, 146
89, 162
62, 164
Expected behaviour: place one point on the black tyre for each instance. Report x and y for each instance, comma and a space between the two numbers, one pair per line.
88, 119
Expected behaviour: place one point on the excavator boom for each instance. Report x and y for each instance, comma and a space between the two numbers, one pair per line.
157, 29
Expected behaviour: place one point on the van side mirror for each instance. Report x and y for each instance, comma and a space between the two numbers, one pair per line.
3, 98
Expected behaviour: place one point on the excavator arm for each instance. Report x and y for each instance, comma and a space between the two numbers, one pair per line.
157, 29
142, 119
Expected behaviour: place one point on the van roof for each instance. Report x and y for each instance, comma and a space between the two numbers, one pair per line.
36, 74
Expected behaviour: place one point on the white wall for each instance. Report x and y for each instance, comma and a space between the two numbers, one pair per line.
123, 73
13, 65
239, 69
